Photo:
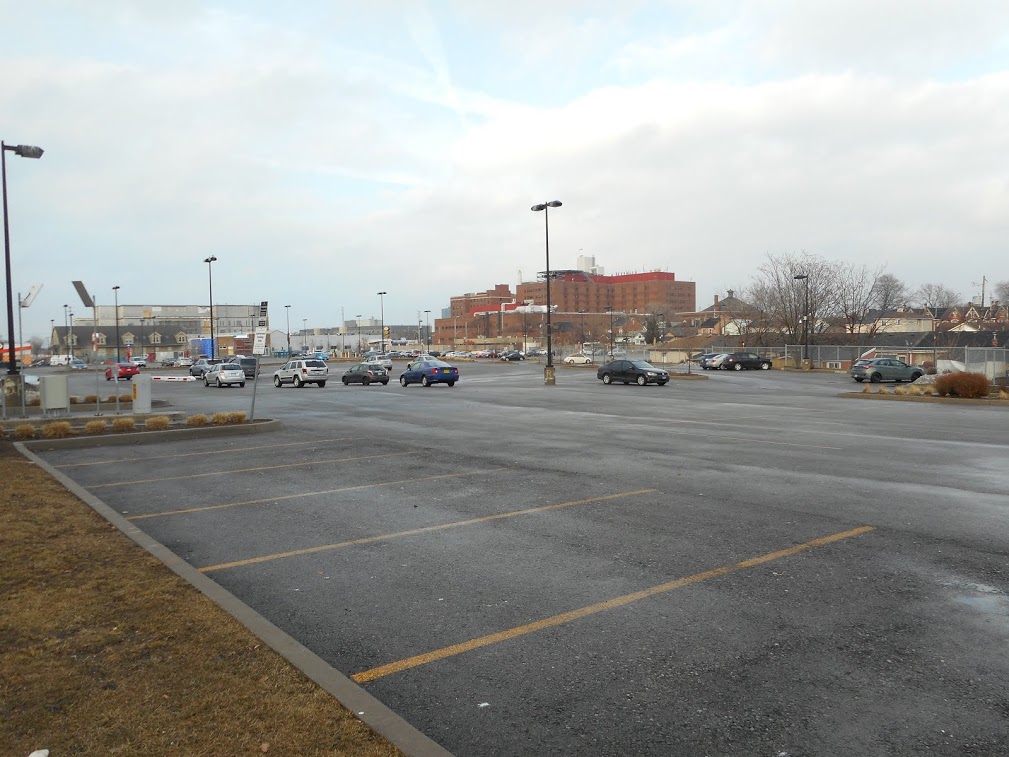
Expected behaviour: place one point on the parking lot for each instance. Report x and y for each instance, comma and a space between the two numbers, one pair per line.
740, 564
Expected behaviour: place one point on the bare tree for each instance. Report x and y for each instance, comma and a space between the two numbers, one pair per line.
936, 296
889, 292
1001, 292
781, 297
856, 294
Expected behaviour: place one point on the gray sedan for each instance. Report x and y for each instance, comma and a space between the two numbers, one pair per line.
224, 374
885, 369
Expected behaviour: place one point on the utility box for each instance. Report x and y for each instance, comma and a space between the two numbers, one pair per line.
141, 394
54, 394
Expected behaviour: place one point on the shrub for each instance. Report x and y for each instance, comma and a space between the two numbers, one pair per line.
90, 398
966, 385
236, 417
96, 427
219, 419
35, 402
122, 424
867, 389
884, 390
916, 391
24, 431
57, 430
902, 390
197, 420
158, 423
1003, 394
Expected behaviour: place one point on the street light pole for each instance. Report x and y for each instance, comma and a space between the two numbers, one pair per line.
288, 309
804, 278
609, 309
71, 337
66, 329
549, 375
115, 291
304, 335
427, 316
357, 319
210, 273
381, 306
25, 151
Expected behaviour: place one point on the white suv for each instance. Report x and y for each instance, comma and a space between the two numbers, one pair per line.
301, 372
140, 362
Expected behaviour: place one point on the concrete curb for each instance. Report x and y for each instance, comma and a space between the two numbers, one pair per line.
931, 400
150, 437
361, 704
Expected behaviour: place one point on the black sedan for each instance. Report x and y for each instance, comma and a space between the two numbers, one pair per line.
641, 372
738, 361
365, 373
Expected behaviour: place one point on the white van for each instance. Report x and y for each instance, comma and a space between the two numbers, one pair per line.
60, 359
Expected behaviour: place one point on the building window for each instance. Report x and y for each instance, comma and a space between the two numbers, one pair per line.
181, 339
101, 339
155, 338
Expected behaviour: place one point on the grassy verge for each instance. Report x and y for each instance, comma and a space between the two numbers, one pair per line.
106, 651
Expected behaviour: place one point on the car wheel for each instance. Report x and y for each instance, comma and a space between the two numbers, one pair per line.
385, 383
219, 384
345, 381
642, 381
276, 381
859, 380
662, 383
738, 366
765, 366
915, 376
205, 382
366, 381
298, 382
875, 378
606, 379
450, 384
424, 382
322, 384
241, 384
402, 380
108, 378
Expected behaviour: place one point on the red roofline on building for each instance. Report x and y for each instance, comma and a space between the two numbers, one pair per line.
621, 278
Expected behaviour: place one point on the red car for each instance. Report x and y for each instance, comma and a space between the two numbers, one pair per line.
122, 371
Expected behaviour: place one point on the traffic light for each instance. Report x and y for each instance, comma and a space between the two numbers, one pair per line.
385, 332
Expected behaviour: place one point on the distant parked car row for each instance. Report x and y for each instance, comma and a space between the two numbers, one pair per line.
734, 361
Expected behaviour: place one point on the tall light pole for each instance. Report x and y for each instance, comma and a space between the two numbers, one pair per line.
52, 328
304, 335
71, 337
210, 274
115, 292
25, 151
288, 309
357, 320
804, 278
381, 306
609, 309
549, 376
427, 317
66, 329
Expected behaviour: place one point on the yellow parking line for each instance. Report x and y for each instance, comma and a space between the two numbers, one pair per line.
311, 494
415, 531
250, 470
567, 617
201, 454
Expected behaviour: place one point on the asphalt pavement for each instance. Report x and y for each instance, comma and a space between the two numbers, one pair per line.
736, 565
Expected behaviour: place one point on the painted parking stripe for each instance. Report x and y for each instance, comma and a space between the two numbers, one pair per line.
299, 495
249, 470
201, 454
424, 530
610, 604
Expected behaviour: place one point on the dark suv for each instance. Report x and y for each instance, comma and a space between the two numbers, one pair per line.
248, 364
737, 361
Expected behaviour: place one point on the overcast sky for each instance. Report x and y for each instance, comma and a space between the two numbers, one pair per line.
324, 151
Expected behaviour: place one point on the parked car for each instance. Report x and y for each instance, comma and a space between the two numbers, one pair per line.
224, 374
365, 373
139, 360
248, 365
122, 371
640, 372
169, 362
427, 372
737, 361
184, 362
578, 359
300, 372
319, 355
885, 369
383, 360
76, 364
710, 361
202, 365
512, 356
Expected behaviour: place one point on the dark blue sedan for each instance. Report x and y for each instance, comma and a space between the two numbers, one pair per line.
427, 372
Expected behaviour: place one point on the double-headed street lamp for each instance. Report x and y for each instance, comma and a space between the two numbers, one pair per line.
210, 274
549, 376
381, 306
24, 151
804, 278
115, 292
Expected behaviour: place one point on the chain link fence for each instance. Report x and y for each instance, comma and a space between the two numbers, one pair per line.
991, 361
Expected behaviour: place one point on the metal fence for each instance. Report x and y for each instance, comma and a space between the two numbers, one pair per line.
991, 361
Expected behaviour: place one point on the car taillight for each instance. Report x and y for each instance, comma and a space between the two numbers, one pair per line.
304, 369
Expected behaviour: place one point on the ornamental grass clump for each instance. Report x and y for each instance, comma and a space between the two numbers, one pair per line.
96, 427
883, 390
34, 402
158, 423
24, 431
219, 419
123, 424
196, 421
867, 389
57, 430
965, 385
916, 391
902, 390
1003, 394
236, 417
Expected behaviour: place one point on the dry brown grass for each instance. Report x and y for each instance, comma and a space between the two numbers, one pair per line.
196, 421
123, 424
219, 419
158, 423
106, 651
236, 417
96, 427
901, 390
57, 430
1003, 394
867, 389
25, 431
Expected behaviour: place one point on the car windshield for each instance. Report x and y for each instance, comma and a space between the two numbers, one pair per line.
315, 364
643, 365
